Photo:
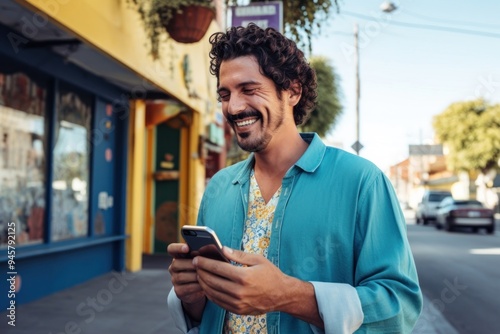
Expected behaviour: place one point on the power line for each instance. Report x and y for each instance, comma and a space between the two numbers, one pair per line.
428, 27
454, 22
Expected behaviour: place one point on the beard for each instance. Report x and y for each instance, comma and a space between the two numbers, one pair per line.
253, 144
256, 140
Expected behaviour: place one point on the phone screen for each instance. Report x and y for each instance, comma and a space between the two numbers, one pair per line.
203, 241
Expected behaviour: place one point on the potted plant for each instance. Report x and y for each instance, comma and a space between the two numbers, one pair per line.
186, 21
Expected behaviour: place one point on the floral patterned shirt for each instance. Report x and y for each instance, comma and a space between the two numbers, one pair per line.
255, 240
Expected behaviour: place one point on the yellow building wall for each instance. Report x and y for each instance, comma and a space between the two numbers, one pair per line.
115, 28
135, 186
196, 184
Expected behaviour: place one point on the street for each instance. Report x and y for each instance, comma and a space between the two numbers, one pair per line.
459, 274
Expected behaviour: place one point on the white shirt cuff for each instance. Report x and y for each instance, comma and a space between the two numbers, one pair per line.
339, 307
176, 311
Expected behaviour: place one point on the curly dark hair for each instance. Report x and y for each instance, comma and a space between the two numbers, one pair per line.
279, 59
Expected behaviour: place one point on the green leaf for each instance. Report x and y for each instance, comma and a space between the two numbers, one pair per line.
471, 132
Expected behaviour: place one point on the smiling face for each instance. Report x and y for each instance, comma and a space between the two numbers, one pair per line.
251, 104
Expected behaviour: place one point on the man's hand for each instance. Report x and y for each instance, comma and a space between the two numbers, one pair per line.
185, 282
257, 287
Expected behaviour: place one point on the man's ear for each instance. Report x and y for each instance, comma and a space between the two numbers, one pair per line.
295, 91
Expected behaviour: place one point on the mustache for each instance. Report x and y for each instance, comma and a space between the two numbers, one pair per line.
242, 115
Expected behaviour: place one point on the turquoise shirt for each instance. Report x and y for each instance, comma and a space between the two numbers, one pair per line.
337, 224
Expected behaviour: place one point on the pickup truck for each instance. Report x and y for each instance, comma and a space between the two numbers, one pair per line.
426, 210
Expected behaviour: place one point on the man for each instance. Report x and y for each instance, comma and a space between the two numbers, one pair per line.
315, 235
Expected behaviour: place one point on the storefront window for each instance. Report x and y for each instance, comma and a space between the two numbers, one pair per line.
23, 139
70, 186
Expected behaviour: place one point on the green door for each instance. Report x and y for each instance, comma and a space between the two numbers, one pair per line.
166, 191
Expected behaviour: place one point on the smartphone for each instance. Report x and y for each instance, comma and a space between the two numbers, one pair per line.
203, 241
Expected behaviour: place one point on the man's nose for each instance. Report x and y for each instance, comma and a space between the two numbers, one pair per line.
235, 105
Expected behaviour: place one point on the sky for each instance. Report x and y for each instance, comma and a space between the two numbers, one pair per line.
414, 62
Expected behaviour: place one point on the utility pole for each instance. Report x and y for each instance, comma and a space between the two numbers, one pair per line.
387, 7
357, 84
357, 145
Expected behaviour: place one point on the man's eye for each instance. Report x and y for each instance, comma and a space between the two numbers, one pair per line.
249, 91
223, 97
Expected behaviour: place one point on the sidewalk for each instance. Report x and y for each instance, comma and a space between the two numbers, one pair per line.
130, 304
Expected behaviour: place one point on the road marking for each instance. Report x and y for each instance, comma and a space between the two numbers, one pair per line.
485, 251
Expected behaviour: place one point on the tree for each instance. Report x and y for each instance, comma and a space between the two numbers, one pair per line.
302, 18
471, 132
328, 108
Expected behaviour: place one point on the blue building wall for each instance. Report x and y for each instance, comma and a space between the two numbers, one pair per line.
55, 265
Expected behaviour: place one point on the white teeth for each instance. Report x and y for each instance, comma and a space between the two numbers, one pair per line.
247, 122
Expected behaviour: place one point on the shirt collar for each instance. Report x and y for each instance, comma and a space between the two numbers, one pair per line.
312, 157
308, 162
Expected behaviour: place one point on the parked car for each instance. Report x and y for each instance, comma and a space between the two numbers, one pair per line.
426, 210
452, 213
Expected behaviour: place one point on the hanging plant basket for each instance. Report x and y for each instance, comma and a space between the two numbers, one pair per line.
190, 23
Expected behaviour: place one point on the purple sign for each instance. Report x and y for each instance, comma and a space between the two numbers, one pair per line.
263, 14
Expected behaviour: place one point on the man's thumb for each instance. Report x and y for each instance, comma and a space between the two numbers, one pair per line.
240, 257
